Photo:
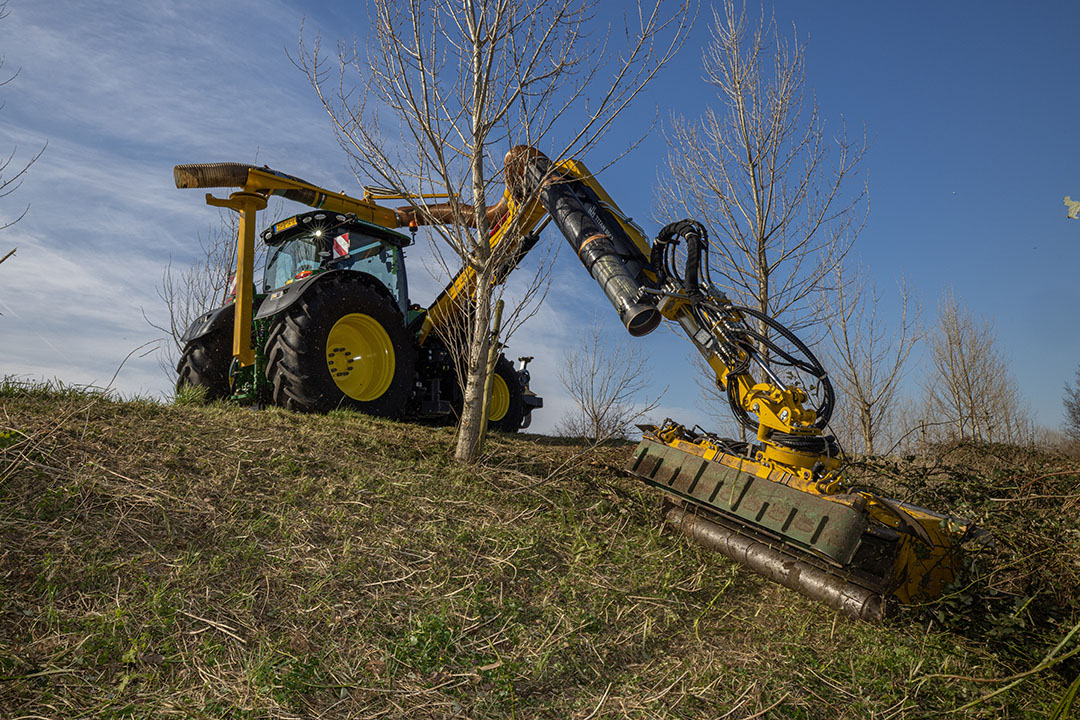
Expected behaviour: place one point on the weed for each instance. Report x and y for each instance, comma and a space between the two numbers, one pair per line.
189, 395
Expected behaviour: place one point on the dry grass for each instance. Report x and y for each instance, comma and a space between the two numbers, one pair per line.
216, 562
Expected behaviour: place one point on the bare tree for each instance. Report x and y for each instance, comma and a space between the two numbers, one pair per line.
762, 174
459, 81
605, 380
868, 357
12, 173
970, 392
1072, 409
189, 292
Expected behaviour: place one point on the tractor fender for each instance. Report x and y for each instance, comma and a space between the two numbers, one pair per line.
208, 322
285, 297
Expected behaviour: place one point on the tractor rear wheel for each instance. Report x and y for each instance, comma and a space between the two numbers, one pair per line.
342, 344
506, 408
205, 363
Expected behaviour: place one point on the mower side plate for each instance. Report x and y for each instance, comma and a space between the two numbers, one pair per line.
831, 529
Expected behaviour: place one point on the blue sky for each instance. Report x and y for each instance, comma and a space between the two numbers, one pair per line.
970, 108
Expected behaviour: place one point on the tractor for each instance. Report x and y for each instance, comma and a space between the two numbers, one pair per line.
331, 325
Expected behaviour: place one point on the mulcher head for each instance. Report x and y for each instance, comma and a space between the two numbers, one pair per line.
852, 550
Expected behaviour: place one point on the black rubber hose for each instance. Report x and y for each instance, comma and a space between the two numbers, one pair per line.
697, 238
736, 407
691, 280
777, 351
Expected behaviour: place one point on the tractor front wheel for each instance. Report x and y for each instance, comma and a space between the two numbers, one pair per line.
205, 363
343, 344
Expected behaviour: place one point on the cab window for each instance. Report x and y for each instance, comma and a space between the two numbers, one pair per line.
291, 257
384, 262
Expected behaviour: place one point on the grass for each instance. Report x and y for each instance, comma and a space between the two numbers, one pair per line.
208, 561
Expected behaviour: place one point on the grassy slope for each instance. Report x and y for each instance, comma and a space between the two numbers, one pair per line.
217, 562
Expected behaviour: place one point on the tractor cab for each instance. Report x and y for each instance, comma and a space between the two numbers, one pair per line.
314, 242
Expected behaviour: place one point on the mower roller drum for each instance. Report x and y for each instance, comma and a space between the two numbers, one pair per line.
343, 344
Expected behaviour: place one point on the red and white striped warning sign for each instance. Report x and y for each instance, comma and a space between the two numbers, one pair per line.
341, 245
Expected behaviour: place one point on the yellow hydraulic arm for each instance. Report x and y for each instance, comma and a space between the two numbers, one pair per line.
640, 283
608, 243
514, 223
611, 246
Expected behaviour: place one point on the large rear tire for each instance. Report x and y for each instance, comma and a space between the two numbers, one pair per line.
342, 344
205, 363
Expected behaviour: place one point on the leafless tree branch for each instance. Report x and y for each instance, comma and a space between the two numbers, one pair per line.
443, 85
969, 387
605, 381
781, 196
869, 357
12, 175
1072, 409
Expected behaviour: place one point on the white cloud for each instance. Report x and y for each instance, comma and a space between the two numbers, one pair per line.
122, 92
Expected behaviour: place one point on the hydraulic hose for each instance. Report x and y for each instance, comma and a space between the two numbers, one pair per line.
697, 245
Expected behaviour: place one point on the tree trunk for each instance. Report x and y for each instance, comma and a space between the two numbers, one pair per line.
867, 426
478, 338
467, 448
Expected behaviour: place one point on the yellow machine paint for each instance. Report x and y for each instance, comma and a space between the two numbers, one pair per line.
518, 222
916, 568
247, 204
500, 399
258, 185
365, 368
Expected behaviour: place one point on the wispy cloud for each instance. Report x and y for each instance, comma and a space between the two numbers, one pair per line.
122, 91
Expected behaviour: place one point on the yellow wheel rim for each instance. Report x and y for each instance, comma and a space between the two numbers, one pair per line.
360, 357
500, 399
